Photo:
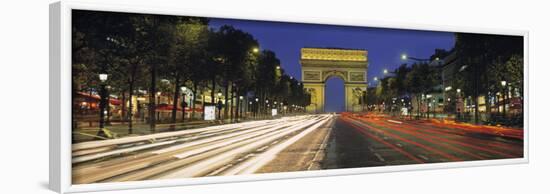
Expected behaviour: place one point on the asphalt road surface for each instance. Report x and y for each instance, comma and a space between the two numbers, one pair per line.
231, 149
297, 143
363, 142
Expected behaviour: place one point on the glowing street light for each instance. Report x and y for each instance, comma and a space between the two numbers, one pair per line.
255, 50
505, 94
385, 71
103, 103
458, 90
375, 78
405, 57
103, 77
278, 67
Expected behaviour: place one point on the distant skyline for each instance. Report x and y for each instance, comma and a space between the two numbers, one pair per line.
384, 46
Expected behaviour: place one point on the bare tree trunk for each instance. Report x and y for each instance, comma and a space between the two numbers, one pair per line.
123, 116
418, 106
152, 104
130, 107
175, 102
203, 104
232, 93
193, 101
212, 100
238, 103
488, 108
226, 91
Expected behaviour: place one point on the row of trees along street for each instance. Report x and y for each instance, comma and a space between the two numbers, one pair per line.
157, 54
484, 65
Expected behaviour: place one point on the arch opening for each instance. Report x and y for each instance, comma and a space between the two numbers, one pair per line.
334, 94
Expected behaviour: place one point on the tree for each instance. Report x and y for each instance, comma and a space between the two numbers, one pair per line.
105, 42
156, 34
421, 80
189, 40
475, 53
233, 48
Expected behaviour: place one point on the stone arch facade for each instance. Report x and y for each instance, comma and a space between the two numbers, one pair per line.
320, 64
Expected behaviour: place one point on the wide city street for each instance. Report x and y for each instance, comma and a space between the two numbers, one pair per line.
296, 143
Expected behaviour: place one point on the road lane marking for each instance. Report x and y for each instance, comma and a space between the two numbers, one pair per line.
394, 121
370, 149
423, 157
484, 155
220, 170
379, 157
262, 149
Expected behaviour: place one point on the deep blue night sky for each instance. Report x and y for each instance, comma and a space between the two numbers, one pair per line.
384, 46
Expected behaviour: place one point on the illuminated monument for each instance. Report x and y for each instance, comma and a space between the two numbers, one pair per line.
320, 64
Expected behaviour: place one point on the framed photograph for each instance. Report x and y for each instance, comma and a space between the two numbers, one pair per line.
153, 97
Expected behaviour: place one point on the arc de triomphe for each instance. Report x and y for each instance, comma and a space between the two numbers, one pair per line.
320, 64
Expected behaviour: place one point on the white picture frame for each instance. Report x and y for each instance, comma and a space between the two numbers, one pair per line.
60, 98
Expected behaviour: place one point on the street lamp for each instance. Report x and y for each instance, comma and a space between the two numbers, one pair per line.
278, 67
103, 77
457, 109
219, 93
240, 106
385, 71
405, 57
103, 103
256, 107
158, 103
503, 84
375, 78
183, 103
255, 50
428, 97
